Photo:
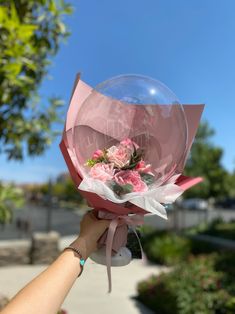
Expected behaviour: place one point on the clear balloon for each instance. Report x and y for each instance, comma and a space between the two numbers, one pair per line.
135, 107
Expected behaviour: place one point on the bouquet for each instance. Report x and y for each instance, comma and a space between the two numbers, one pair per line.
126, 143
122, 168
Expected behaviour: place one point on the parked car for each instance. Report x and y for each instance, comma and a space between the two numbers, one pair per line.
194, 203
227, 203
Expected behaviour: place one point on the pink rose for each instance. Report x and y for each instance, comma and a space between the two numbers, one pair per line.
102, 171
119, 155
129, 143
97, 154
131, 177
142, 167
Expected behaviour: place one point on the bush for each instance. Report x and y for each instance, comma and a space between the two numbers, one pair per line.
193, 287
217, 228
164, 247
168, 249
198, 246
226, 263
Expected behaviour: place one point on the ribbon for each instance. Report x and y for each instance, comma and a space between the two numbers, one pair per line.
134, 220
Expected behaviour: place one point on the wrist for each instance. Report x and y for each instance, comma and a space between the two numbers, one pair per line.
81, 244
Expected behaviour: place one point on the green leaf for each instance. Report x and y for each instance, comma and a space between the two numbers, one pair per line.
52, 6
91, 162
14, 14
147, 178
12, 69
127, 188
3, 14
26, 31
121, 189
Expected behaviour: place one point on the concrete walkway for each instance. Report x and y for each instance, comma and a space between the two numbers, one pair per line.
89, 294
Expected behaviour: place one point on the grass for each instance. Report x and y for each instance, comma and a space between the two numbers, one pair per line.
217, 228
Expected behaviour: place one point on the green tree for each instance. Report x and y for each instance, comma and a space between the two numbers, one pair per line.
62, 188
10, 197
205, 160
231, 184
30, 35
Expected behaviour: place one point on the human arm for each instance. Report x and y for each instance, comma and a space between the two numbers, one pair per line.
45, 293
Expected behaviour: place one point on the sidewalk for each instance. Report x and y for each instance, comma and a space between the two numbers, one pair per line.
89, 294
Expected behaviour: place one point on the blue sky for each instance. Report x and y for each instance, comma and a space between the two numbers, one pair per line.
188, 45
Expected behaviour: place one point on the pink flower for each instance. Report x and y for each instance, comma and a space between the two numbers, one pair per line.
119, 155
131, 177
142, 167
102, 171
97, 154
129, 143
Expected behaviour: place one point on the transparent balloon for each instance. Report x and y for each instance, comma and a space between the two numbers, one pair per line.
135, 107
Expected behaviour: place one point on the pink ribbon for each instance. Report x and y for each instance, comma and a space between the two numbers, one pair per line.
134, 220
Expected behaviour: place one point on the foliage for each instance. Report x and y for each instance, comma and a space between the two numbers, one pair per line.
226, 263
62, 188
70, 192
193, 287
205, 160
220, 228
197, 284
10, 198
30, 33
167, 248
198, 246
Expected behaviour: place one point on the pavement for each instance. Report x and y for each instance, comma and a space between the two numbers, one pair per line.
89, 293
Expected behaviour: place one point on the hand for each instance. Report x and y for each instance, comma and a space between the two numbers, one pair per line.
91, 230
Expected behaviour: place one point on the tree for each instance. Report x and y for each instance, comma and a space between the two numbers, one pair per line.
30, 34
10, 197
205, 160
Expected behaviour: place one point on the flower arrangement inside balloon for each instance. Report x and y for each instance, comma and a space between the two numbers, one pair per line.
122, 168
125, 143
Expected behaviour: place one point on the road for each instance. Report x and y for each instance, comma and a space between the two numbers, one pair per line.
66, 222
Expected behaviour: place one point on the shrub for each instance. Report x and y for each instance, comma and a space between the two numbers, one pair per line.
198, 246
226, 263
166, 248
193, 287
217, 228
